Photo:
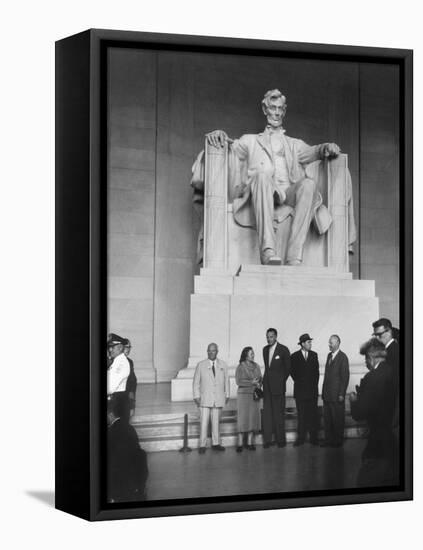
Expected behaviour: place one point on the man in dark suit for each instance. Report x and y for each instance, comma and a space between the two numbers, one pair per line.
277, 365
384, 332
305, 373
374, 403
335, 384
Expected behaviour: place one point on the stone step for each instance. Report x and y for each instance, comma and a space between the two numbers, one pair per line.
165, 432
287, 271
260, 284
175, 443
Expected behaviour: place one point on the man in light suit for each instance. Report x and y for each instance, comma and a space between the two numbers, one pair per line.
211, 393
277, 366
335, 384
277, 185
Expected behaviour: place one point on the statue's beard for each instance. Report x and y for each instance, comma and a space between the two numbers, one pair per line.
275, 123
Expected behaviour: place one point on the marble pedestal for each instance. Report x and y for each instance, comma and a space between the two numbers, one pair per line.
234, 310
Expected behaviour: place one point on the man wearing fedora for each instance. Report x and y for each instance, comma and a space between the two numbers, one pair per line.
305, 373
335, 384
117, 375
277, 365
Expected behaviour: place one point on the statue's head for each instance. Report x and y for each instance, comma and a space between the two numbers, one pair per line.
274, 107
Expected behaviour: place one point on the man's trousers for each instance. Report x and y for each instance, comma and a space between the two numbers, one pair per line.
205, 414
334, 420
274, 418
308, 419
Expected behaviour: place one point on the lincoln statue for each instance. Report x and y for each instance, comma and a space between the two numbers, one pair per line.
275, 182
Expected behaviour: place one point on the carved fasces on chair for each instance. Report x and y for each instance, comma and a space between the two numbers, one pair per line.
337, 201
215, 207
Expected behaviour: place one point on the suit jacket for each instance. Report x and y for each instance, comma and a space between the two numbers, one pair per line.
276, 374
393, 358
212, 391
131, 383
257, 151
337, 376
375, 405
305, 375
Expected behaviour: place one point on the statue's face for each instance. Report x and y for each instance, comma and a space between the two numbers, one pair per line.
275, 112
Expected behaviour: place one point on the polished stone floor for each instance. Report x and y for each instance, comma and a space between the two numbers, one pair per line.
183, 475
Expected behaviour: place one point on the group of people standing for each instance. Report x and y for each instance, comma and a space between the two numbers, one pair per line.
375, 401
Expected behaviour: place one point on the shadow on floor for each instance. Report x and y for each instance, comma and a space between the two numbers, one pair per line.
46, 497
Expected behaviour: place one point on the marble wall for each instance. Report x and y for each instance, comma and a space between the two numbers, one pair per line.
379, 183
131, 201
160, 106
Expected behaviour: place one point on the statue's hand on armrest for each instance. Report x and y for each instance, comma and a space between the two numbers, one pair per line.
218, 138
330, 150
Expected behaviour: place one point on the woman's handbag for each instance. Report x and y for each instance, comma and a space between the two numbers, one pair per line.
257, 394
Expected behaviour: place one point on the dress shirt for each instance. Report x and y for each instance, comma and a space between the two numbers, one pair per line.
271, 352
376, 366
211, 366
305, 353
389, 343
117, 374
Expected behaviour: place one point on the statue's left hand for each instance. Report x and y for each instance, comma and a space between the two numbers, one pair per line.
330, 150
218, 138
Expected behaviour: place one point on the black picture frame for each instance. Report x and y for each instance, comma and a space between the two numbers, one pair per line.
81, 252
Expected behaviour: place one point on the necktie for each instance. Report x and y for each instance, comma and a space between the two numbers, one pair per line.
214, 372
305, 355
330, 359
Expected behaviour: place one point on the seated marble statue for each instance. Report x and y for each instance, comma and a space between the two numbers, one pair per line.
275, 183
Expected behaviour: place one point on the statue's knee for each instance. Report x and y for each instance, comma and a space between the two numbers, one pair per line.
308, 186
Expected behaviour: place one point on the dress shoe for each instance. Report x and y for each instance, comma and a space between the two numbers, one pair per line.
251, 447
202, 450
281, 445
266, 446
239, 449
218, 448
298, 443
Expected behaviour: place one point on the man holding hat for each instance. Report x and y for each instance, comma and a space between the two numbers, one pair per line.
117, 374
305, 373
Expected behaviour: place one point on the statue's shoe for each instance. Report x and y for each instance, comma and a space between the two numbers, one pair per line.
294, 262
272, 260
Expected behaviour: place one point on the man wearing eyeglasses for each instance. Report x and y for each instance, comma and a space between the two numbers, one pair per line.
383, 331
